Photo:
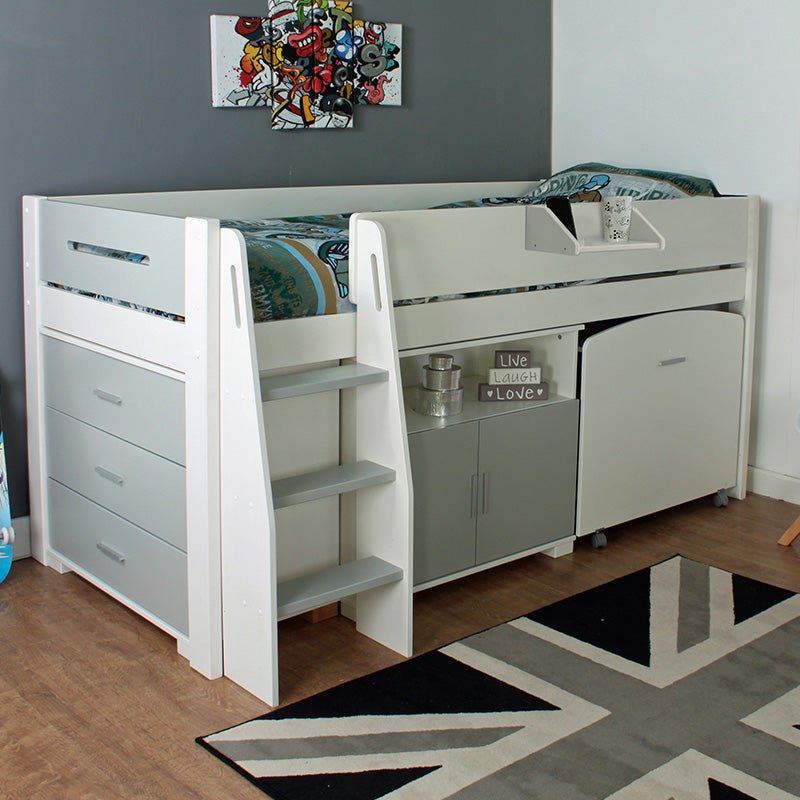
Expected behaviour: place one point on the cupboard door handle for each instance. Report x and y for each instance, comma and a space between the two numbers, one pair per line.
109, 475
473, 497
484, 493
107, 396
113, 554
671, 361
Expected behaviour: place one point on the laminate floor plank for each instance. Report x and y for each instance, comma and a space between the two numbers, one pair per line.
97, 704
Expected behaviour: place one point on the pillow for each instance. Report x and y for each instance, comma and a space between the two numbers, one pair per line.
592, 182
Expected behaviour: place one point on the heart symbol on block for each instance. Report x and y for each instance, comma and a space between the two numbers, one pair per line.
540, 392
490, 393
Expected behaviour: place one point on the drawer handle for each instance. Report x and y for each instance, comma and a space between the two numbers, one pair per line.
109, 475
670, 361
111, 552
107, 396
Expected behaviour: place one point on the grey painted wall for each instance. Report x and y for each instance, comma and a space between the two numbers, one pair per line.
114, 96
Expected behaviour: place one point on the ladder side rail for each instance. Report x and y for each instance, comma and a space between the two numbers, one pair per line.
383, 513
249, 561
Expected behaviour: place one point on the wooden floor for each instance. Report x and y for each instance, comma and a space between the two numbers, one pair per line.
96, 704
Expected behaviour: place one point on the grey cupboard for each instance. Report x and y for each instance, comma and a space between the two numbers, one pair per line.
490, 488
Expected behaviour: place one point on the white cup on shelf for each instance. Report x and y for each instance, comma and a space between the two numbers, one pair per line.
616, 212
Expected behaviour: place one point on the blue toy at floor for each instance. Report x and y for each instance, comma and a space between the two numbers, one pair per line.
6, 531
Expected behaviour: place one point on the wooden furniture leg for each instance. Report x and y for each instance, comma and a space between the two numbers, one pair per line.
791, 534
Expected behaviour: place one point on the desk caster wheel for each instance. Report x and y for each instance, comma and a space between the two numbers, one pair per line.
599, 540
720, 498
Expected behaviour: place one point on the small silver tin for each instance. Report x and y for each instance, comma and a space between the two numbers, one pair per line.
440, 361
441, 379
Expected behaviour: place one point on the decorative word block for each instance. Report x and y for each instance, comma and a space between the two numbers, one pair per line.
508, 392
512, 358
514, 375
310, 61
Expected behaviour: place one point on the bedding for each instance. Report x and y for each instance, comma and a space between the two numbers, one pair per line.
592, 182
299, 265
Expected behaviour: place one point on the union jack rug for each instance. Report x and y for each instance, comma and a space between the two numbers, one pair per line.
677, 681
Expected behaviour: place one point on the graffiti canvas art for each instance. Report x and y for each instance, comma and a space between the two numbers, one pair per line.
310, 62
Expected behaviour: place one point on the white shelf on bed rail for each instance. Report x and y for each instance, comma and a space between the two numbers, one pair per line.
312, 381
303, 594
326, 482
546, 233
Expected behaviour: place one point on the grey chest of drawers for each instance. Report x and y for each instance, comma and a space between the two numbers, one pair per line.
115, 448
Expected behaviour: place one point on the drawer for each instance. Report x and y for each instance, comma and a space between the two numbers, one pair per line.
145, 489
141, 567
131, 402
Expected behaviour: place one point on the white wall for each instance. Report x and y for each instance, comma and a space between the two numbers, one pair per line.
710, 88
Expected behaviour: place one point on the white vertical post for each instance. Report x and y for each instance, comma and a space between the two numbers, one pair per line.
37, 467
201, 277
747, 308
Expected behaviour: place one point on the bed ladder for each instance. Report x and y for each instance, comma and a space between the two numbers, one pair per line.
380, 574
327, 586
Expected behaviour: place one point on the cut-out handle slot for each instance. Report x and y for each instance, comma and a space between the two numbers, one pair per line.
237, 314
376, 284
109, 252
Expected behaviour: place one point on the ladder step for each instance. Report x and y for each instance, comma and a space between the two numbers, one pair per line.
278, 387
327, 482
299, 595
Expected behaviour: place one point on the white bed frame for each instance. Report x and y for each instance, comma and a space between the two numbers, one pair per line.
198, 270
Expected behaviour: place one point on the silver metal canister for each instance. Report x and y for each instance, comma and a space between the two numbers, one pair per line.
440, 394
436, 403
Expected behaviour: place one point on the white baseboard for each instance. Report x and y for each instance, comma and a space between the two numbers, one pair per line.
771, 484
22, 539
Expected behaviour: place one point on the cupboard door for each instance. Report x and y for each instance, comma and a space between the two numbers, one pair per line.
528, 463
659, 414
444, 469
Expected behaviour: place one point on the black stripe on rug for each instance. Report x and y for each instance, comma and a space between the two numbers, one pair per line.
721, 791
368, 785
432, 683
614, 616
751, 597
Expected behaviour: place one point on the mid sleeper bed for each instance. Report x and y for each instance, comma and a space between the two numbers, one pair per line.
216, 474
